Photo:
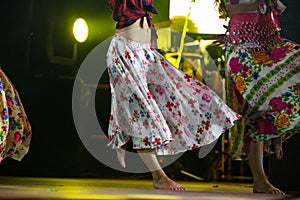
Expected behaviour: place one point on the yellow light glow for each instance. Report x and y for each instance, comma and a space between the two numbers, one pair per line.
203, 13
80, 30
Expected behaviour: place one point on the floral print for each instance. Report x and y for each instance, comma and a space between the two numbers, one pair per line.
15, 129
266, 82
157, 106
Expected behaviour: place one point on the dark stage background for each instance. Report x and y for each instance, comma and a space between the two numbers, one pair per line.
46, 87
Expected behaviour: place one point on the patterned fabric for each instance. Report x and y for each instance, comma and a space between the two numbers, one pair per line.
15, 131
265, 71
127, 12
158, 106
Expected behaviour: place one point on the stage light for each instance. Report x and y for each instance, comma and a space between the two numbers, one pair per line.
203, 13
80, 30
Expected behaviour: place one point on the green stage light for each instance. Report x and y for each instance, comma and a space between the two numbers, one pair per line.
80, 30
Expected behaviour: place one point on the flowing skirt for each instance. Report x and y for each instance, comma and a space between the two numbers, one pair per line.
264, 70
15, 130
157, 106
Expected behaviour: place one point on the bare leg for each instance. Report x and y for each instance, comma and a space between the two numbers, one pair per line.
160, 179
121, 157
277, 144
255, 159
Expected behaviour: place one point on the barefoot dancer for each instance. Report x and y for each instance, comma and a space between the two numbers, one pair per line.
159, 108
265, 73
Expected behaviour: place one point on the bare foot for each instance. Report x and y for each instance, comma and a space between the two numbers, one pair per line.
167, 184
266, 188
277, 144
121, 157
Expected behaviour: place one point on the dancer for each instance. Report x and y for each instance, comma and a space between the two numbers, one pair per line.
159, 108
15, 131
265, 73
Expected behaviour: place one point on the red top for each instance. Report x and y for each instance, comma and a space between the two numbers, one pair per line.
126, 12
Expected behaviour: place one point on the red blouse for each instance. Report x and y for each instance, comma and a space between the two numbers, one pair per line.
126, 12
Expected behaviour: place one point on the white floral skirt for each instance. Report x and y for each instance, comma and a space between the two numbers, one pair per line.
157, 106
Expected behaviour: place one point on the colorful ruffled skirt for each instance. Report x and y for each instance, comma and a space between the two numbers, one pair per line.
264, 70
15, 130
157, 106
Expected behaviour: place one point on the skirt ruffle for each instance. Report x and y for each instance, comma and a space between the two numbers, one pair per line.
157, 106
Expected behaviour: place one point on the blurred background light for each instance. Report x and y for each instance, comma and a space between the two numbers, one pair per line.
80, 30
203, 13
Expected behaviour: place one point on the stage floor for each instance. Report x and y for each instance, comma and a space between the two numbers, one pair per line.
121, 189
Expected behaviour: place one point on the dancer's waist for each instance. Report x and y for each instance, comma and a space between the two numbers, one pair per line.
136, 33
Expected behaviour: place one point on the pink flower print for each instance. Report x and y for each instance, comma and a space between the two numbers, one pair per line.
4, 128
179, 113
290, 106
149, 95
117, 79
184, 119
17, 137
206, 98
289, 111
192, 102
200, 130
127, 79
113, 50
198, 83
187, 77
1, 149
9, 103
161, 76
277, 54
244, 74
146, 141
169, 105
127, 55
245, 68
144, 62
117, 62
195, 146
164, 64
146, 124
178, 85
136, 114
111, 117
228, 120
265, 127
153, 72
235, 65
132, 120
153, 124
156, 141
196, 91
160, 90
207, 124
296, 87
277, 104
136, 97
111, 137
217, 113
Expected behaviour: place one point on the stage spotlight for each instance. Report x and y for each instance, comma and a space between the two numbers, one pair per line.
80, 30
